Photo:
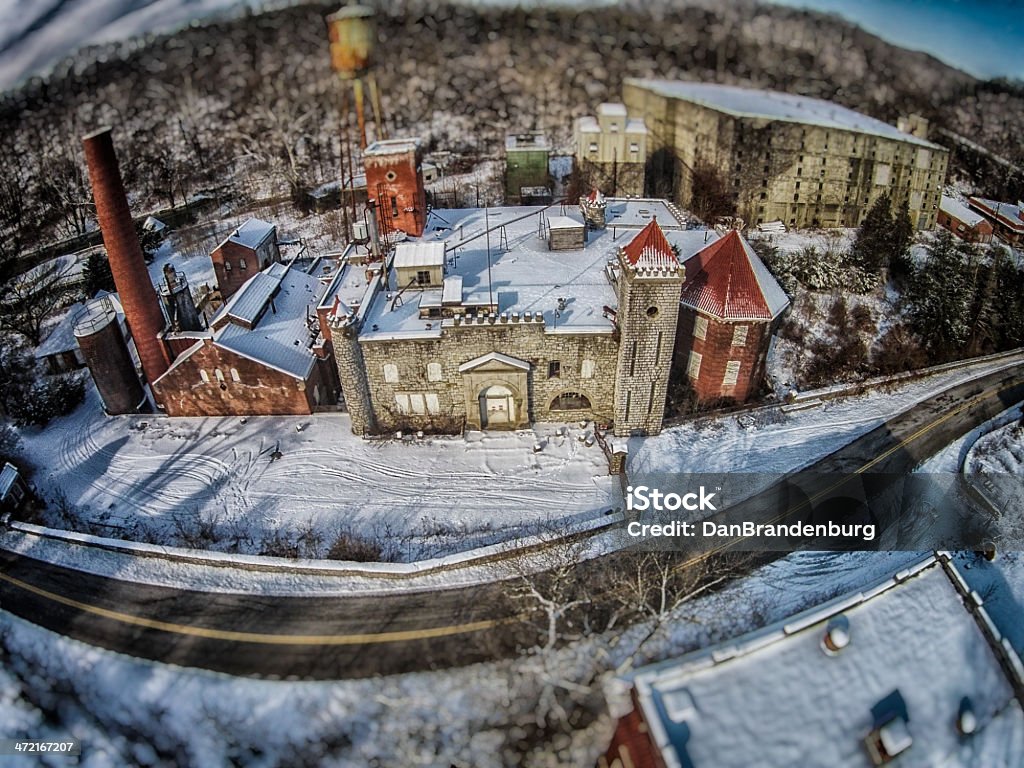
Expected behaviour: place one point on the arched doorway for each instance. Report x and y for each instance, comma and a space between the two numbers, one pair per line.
497, 407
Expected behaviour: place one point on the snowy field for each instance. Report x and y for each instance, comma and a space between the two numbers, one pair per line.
215, 482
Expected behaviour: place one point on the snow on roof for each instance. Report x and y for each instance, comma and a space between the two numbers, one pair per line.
251, 234
531, 140
526, 277
960, 212
794, 704
612, 109
1008, 214
773, 105
392, 147
649, 248
418, 253
451, 292
281, 338
62, 337
588, 124
7, 477
727, 279
636, 125
564, 222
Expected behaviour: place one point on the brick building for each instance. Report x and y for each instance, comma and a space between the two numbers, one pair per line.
785, 157
731, 307
1006, 219
249, 249
394, 178
262, 355
966, 224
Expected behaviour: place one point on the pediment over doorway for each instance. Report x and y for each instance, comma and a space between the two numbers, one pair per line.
494, 361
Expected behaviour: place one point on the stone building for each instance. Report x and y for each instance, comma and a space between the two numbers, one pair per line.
799, 160
517, 330
611, 151
249, 249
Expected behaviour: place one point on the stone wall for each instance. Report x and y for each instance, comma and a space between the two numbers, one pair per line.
416, 361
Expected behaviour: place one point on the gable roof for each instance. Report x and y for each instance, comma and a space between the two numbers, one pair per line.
650, 248
494, 357
727, 279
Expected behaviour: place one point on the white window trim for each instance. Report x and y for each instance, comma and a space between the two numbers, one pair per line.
732, 373
700, 328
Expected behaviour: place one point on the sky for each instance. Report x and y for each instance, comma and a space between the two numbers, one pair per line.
985, 39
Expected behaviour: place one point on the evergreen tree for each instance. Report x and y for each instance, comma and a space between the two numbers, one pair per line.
901, 240
97, 274
940, 295
873, 246
1007, 299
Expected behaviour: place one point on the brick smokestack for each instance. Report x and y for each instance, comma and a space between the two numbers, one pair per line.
138, 297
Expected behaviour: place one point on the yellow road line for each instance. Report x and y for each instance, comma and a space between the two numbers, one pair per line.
259, 637
417, 634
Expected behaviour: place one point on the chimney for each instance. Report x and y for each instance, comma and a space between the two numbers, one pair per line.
131, 278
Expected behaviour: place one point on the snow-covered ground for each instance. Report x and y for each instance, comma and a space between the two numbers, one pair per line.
130, 712
162, 480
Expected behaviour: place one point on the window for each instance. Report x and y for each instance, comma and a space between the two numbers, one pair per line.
693, 365
570, 401
700, 327
732, 373
593, 147
204, 376
227, 266
234, 375
390, 175
434, 372
554, 369
402, 402
241, 263
391, 373
418, 404
614, 127
423, 277
739, 336
632, 359
587, 369
220, 375
657, 350
634, 147
650, 399
629, 401
433, 404
394, 205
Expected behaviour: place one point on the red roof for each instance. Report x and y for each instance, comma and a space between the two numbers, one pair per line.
650, 248
727, 280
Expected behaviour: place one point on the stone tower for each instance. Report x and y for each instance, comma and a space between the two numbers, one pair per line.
650, 282
351, 369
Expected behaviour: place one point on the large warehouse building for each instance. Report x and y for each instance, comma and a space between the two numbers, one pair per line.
803, 161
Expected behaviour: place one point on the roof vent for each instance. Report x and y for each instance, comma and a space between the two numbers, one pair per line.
966, 720
837, 635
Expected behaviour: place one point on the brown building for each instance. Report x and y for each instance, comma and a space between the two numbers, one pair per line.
249, 249
730, 308
784, 157
1007, 219
262, 355
966, 224
394, 178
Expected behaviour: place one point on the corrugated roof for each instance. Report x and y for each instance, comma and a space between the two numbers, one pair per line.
247, 303
650, 248
960, 212
727, 279
419, 254
1009, 214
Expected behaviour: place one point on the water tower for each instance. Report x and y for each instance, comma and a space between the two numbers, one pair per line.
353, 34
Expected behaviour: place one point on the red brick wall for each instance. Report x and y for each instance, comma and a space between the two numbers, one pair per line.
980, 233
406, 187
262, 391
230, 280
716, 351
632, 741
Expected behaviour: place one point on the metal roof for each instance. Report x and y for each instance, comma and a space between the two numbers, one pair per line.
251, 234
727, 279
649, 248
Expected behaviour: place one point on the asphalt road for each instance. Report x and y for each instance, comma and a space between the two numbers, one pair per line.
359, 636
